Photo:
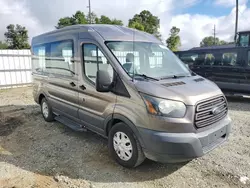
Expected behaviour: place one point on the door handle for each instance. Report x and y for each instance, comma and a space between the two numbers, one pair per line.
72, 84
82, 87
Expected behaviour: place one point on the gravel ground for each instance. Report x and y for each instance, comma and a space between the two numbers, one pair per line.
36, 154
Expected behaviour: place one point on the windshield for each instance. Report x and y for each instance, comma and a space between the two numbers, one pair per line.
150, 59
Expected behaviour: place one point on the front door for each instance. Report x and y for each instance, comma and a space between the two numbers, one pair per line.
94, 106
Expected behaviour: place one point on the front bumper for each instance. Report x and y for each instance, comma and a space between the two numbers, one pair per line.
179, 147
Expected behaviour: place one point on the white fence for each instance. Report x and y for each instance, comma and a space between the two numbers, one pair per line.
15, 68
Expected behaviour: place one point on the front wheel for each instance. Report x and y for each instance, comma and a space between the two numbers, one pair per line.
124, 146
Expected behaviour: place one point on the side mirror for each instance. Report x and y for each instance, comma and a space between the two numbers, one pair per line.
103, 81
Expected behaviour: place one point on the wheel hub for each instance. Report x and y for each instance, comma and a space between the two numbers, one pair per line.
122, 146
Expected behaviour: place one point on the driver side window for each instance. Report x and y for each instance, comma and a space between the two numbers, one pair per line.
95, 60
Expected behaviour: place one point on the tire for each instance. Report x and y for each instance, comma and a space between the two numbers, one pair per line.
47, 115
127, 159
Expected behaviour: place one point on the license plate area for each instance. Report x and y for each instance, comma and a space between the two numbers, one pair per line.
221, 133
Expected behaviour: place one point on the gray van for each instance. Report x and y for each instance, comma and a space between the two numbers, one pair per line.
127, 86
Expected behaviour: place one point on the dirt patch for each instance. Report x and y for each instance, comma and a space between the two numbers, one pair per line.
34, 153
9, 122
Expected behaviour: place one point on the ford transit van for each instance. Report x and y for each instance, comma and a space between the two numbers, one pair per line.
127, 86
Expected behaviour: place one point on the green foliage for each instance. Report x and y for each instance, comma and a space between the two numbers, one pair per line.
174, 41
104, 20
80, 18
117, 22
210, 41
94, 18
222, 42
146, 21
3, 45
137, 25
17, 37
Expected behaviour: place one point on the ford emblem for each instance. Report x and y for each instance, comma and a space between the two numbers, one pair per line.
216, 110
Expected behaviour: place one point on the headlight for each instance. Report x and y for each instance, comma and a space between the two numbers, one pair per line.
163, 107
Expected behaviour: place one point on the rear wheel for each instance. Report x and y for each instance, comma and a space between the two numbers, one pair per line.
124, 146
46, 110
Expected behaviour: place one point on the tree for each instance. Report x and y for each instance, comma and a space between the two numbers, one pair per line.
137, 25
106, 20
17, 37
174, 41
147, 22
94, 18
222, 42
117, 22
3, 45
210, 41
80, 18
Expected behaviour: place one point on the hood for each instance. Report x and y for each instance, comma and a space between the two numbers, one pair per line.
189, 90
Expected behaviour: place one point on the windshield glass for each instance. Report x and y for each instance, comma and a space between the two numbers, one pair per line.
150, 59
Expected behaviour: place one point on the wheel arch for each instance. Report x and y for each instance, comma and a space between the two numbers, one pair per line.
41, 96
116, 118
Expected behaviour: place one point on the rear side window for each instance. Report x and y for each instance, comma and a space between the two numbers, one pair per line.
60, 61
38, 59
244, 39
95, 60
189, 58
211, 58
229, 59
54, 58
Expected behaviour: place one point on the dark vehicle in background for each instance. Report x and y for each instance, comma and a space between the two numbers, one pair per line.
226, 65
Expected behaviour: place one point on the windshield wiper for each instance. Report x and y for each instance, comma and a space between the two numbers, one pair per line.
173, 76
146, 77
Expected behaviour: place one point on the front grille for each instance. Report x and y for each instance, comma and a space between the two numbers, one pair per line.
210, 111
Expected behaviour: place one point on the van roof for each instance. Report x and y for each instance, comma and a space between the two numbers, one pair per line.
226, 46
107, 32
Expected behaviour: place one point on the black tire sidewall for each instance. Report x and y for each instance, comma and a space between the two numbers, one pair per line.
50, 115
122, 127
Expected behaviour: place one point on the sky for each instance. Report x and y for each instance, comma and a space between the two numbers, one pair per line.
195, 18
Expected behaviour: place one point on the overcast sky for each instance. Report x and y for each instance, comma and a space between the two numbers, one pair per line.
195, 18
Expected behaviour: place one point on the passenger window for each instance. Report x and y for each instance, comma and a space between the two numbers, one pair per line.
193, 58
209, 59
229, 59
200, 60
189, 58
38, 59
95, 60
60, 61
244, 39
54, 58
